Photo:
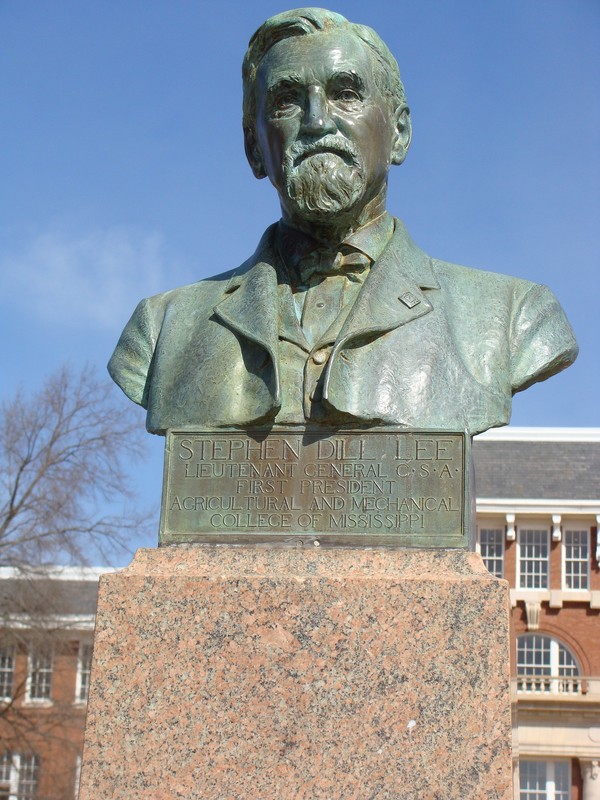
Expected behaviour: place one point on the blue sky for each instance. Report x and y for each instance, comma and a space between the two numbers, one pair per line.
123, 172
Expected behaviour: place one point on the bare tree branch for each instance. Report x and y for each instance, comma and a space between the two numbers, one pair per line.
63, 454
65, 497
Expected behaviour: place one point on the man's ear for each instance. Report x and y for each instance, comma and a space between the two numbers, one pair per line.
402, 134
253, 154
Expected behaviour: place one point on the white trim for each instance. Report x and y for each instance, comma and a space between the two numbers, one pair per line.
555, 597
509, 434
56, 573
65, 622
538, 747
556, 529
511, 531
82, 644
520, 505
77, 776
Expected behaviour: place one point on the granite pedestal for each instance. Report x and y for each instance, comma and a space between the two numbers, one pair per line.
241, 673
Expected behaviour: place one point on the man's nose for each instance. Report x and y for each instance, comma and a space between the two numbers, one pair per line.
317, 118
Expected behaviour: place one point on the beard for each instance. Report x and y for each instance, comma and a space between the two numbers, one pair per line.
320, 183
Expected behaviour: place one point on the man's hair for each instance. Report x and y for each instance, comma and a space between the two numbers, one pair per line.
305, 21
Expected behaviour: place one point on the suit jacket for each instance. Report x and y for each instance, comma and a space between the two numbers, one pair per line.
427, 345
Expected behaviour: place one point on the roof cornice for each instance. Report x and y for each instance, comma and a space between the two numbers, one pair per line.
55, 573
510, 434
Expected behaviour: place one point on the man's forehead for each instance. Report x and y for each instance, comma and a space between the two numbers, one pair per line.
317, 55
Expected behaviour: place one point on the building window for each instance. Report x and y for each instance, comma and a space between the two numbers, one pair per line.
5, 776
39, 675
84, 666
576, 551
534, 558
7, 668
19, 776
77, 777
545, 665
491, 544
29, 768
545, 780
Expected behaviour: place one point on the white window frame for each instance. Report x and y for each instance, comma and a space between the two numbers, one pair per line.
7, 777
550, 779
34, 653
490, 525
17, 768
569, 529
521, 531
549, 679
77, 777
28, 764
9, 652
84, 666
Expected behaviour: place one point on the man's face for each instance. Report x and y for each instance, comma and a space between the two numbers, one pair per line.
324, 131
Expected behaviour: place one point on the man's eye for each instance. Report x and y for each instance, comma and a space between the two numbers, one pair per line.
286, 100
284, 103
347, 96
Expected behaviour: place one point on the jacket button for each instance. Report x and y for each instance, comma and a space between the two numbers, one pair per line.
320, 356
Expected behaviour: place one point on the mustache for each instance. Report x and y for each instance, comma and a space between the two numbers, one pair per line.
298, 151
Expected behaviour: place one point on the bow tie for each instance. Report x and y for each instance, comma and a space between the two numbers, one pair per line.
325, 262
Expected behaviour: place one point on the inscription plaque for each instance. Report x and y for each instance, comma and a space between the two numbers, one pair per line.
379, 487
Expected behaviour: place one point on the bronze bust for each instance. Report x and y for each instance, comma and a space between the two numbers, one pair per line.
338, 318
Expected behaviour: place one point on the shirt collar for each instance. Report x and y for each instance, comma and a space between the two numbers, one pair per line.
371, 240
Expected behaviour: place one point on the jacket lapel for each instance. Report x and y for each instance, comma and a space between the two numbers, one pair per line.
391, 296
250, 307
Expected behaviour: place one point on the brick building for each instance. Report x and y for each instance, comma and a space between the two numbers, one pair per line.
45, 656
538, 509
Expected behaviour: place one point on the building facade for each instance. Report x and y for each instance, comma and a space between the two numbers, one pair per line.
538, 511
47, 621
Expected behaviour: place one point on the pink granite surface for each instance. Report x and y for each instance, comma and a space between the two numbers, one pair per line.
264, 674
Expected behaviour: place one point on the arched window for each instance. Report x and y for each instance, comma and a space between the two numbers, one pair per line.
545, 665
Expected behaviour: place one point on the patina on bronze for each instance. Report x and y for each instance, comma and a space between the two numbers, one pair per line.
376, 487
338, 319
